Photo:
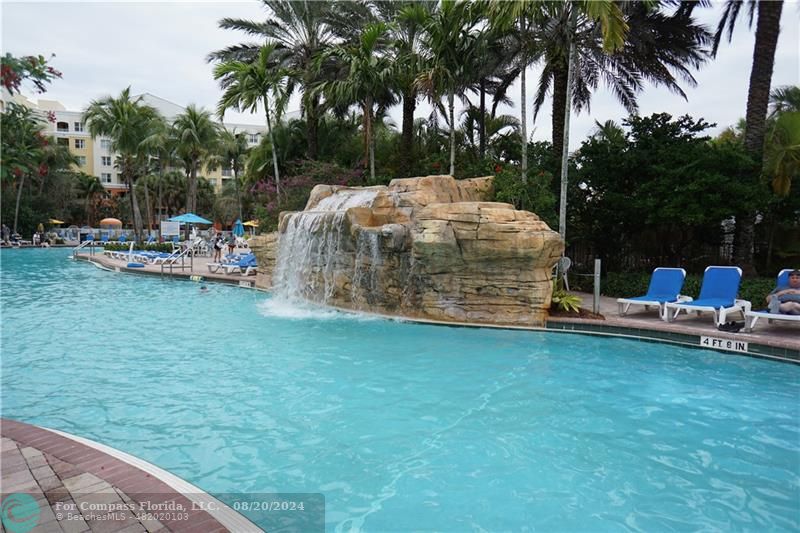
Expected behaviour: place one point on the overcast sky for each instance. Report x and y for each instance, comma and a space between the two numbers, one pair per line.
160, 48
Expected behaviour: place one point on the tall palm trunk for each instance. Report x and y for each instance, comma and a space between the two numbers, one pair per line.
19, 197
451, 104
191, 178
563, 166
135, 212
312, 125
368, 134
148, 208
86, 209
274, 153
160, 201
767, 30
560, 76
523, 110
482, 120
407, 135
238, 195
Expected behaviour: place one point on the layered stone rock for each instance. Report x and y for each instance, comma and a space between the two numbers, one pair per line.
426, 247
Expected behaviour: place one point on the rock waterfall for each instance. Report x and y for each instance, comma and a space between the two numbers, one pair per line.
428, 247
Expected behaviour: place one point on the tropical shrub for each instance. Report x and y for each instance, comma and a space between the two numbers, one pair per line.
564, 301
300, 178
153, 247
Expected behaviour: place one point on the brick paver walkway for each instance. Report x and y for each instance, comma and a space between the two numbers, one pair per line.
78, 488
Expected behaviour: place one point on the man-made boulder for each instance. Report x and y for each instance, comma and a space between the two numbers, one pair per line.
428, 247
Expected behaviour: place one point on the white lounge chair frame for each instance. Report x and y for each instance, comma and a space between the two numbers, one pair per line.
720, 315
751, 317
626, 303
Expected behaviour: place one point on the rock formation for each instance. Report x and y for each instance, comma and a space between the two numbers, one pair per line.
428, 247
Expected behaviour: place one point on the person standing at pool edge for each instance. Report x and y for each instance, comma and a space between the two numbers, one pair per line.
786, 300
217, 247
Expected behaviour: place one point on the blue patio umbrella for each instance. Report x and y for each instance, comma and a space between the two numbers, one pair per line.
238, 228
190, 218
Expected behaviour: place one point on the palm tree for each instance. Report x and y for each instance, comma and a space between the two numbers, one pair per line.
609, 131
23, 145
90, 188
197, 136
784, 99
449, 40
648, 45
148, 184
782, 155
301, 31
232, 154
758, 93
365, 78
494, 129
767, 30
162, 146
247, 85
511, 21
173, 185
406, 22
127, 122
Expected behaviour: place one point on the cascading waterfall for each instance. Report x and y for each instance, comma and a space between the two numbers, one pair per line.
314, 252
365, 273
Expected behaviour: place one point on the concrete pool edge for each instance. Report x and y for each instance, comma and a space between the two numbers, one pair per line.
134, 476
759, 347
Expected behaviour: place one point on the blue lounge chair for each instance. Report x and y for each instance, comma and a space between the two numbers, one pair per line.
751, 317
246, 265
122, 238
665, 287
717, 294
104, 238
150, 239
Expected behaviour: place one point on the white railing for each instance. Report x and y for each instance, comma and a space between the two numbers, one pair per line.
84, 244
171, 262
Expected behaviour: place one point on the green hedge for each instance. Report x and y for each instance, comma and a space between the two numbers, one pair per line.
635, 284
155, 247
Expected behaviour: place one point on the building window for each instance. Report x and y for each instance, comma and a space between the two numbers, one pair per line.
62, 127
106, 160
105, 177
78, 126
63, 142
81, 160
227, 173
253, 138
105, 144
80, 144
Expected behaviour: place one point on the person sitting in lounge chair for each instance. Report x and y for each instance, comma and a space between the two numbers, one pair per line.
786, 299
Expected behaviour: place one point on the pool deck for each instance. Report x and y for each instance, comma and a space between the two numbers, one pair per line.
781, 335
76, 481
779, 340
198, 268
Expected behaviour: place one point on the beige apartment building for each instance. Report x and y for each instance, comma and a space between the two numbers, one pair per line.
95, 156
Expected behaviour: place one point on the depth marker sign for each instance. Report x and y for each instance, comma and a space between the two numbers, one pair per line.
723, 344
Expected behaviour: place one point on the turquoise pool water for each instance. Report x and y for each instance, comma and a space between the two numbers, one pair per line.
401, 426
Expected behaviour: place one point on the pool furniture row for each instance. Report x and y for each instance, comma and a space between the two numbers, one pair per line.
244, 264
718, 292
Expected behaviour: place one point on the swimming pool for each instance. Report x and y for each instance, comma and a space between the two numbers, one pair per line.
401, 426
